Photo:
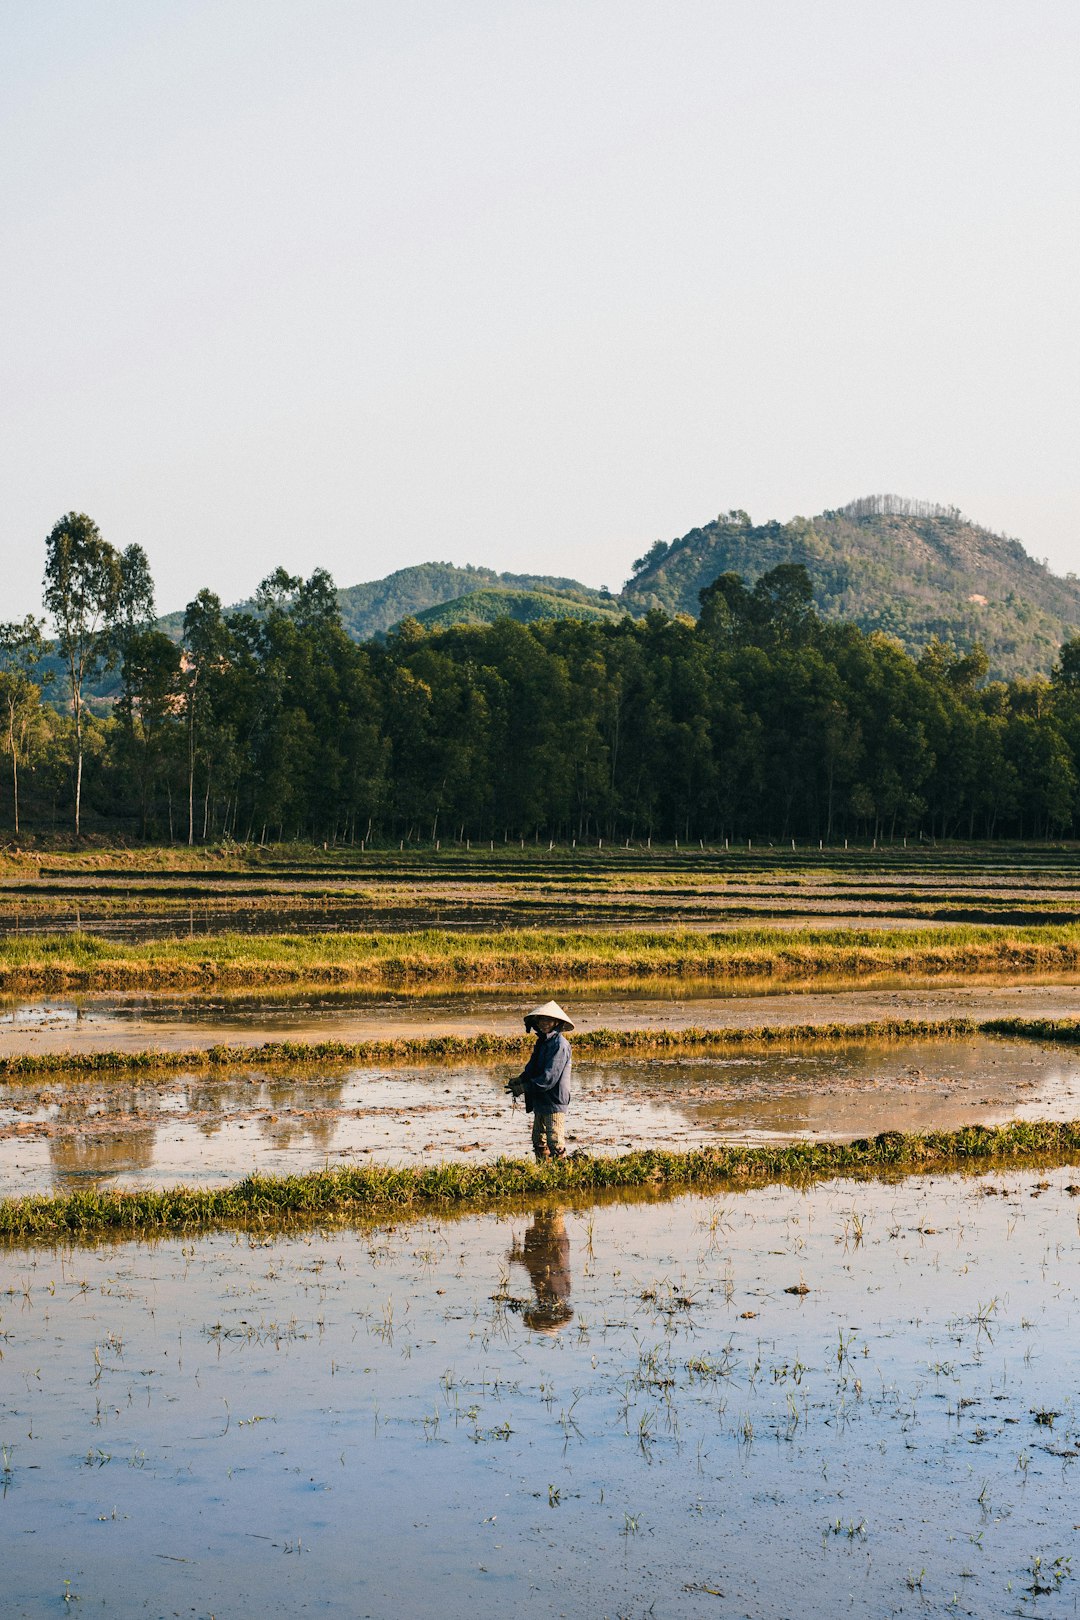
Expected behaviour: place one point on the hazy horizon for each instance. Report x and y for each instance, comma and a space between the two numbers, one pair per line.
365, 286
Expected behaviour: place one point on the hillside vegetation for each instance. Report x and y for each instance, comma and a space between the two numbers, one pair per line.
371, 609
908, 568
912, 569
525, 607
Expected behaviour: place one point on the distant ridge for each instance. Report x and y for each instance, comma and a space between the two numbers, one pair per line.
526, 607
914, 569
370, 610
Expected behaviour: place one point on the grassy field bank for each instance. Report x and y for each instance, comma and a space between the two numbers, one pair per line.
95, 854
522, 956
595, 1043
345, 1193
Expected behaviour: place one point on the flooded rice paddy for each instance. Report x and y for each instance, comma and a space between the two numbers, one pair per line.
137, 1021
61, 1132
209, 1128
854, 1399
131, 924
395, 892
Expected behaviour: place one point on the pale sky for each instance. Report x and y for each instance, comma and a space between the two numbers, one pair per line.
364, 283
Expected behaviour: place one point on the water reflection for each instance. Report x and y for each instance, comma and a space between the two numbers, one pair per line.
119, 1131
545, 1253
219, 1124
76, 1158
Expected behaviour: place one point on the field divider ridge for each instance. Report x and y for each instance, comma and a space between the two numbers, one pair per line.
346, 1193
596, 1043
520, 957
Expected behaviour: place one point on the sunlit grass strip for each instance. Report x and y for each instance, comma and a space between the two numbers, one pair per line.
1034, 1029
379, 1190
524, 956
595, 1043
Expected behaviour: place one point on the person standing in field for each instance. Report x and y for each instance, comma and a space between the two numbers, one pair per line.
544, 1082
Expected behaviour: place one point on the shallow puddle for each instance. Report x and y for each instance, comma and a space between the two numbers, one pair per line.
58, 1135
857, 1399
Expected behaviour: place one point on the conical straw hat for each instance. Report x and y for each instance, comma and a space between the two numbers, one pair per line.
550, 1009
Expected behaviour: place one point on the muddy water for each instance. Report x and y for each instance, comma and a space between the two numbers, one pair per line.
137, 1021
620, 1410
210, 1129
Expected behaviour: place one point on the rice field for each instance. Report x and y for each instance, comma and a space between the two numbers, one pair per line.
128, 896
288, 1323
79, 961
346, 1192
781, 1401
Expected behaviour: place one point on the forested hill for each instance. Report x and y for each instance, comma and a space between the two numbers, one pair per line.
368, 610
905, 567
439, 594
884, 563
526, 607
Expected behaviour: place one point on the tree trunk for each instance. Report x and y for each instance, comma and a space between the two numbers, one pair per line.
77, 701
191, 789
14, 764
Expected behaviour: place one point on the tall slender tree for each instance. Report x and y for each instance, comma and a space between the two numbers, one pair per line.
206, 639
133, 616
22, 647
83, 585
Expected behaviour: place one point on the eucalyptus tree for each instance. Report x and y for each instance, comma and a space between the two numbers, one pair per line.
206, 645
22, 647
154, 699
83, 587
133, 617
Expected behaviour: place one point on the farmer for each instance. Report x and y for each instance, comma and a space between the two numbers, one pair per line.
545, 1080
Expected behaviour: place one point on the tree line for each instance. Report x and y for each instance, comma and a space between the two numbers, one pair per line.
898, 506
758, 720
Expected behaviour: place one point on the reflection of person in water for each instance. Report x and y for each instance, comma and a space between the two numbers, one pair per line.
545, 1254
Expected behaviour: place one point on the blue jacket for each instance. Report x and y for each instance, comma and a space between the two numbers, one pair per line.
547, 1075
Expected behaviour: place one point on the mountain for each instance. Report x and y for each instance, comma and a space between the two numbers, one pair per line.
527, 607
910, 568
369, 610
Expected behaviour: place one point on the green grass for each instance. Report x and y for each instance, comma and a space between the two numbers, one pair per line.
512, 1048
95, 851
345, 1193
532, 957
1035, 1029
595, 1043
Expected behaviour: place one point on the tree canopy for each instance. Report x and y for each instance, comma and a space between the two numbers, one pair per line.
762, 719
